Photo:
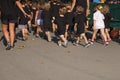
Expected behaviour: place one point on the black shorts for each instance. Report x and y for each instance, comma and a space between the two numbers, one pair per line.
9, 19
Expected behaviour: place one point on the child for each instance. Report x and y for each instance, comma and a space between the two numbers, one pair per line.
80, 20
98, 24
46, 16
38, 20
55, 6
33, 23
107, 20
23, 23
69, 20
61, 26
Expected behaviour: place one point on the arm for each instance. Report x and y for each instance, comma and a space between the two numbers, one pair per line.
88, 7
36, 15
20, 7
75, 27
73, 4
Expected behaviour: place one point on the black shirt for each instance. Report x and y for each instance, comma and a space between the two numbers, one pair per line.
61, 23
82, 3
55, 6
69, 18
46, 16
107, 20
80, 19
23, 20
8, 7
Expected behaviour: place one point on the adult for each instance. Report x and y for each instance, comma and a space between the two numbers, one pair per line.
9, 17
84, 3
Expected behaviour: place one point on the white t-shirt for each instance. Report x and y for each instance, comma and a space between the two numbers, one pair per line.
99, 18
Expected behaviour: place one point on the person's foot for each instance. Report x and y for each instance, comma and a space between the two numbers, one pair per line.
106, 43
65, 43
9, 47
37, 35
59, 43
49, 38
90, 41
87, 45
76, 44
109, 40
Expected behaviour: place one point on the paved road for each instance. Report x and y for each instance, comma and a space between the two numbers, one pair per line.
37, 59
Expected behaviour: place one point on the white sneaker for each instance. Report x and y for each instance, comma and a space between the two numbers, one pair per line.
65, 43
49, 38
59, 43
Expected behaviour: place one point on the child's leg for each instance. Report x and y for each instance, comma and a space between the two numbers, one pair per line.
86, 41
84, 37
12, 33
94, 34
66, 34
29, 26
53, 27
107, 34
103, 34
63, 39
48, 35
37, 31
78, 39
23, 33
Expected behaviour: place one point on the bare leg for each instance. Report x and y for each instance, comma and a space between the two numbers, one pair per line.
107, 35
103, 34
94, 34
12, 33
5, 32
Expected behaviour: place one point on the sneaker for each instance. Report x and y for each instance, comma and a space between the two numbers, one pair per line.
106, 43
49, 38
37, 35
65, 43
90, 41
87, 45
59, 43
76, 44
10, 48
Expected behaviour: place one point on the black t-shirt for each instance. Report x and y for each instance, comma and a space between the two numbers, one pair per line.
107, 20
80, 19
8, 7
55, 8
23, 20
69, 18
46, 16
61, 22
82, 3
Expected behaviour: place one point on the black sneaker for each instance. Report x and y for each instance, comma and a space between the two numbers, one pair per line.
9, 47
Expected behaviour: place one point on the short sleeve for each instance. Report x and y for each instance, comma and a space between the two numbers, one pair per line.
94, 16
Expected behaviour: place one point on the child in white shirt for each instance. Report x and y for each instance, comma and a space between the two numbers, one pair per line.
98, 24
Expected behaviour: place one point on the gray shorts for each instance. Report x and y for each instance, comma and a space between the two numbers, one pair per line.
22, 26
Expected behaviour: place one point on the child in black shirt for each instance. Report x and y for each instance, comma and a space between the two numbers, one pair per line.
47, 21
80, 20
69, 20
60, 21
